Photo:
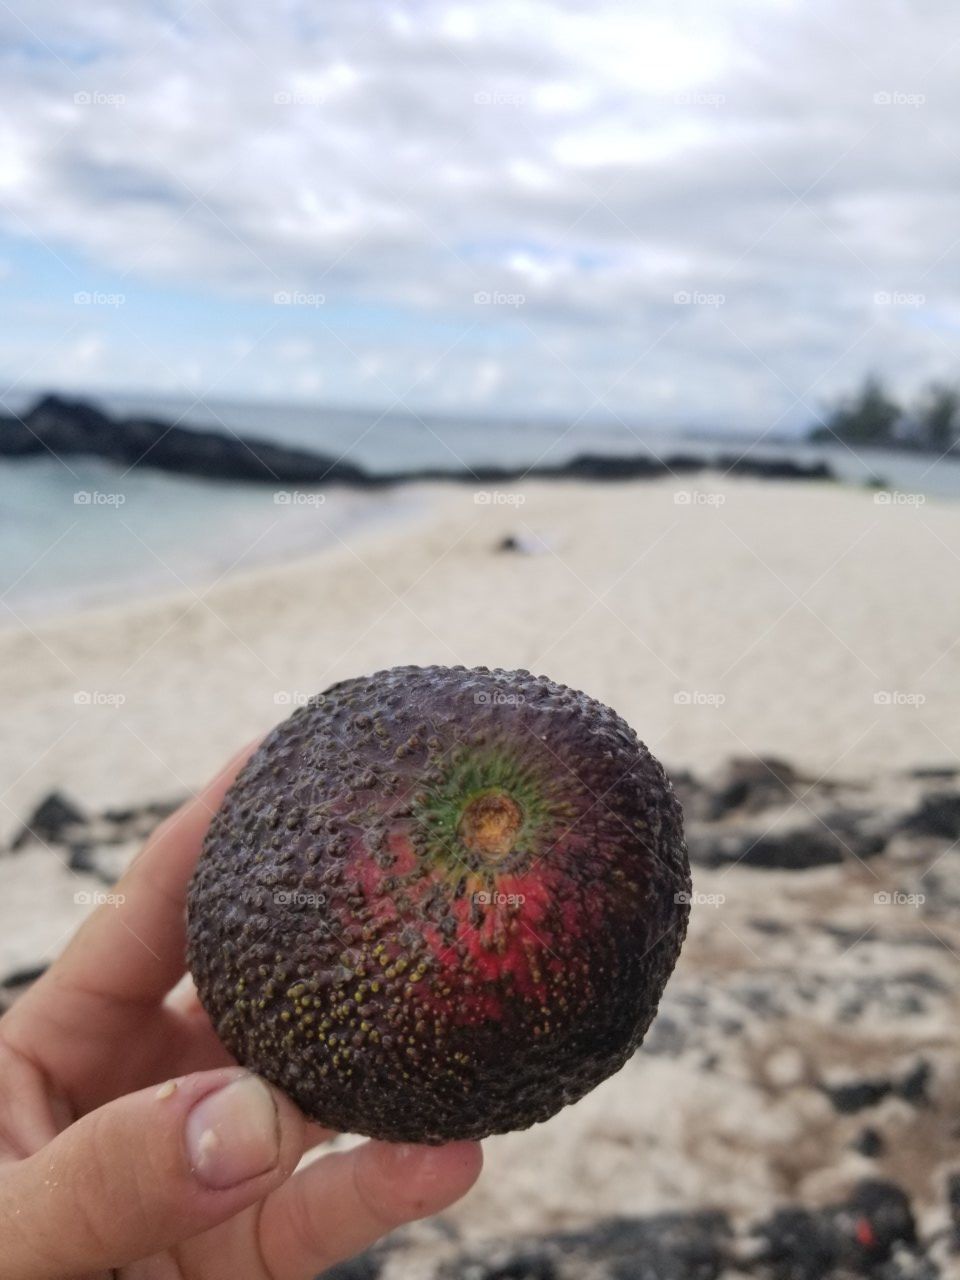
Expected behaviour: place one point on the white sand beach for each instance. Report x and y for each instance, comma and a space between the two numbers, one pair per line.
804, 620
722, 618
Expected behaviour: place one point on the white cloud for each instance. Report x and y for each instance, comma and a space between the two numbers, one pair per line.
795, 159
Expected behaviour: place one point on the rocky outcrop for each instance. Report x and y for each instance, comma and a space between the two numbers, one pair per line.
762, 813
64, 428
67, 427
52, 820
872, 1233
851, 1096
801, 1078
936, 815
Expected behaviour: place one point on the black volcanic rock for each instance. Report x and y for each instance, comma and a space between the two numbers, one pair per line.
938, 814
753, 784
913, 1087
852, 1096
591, 466
775, 468
74, 421
935, 772
870, 1143
953, 1200
857, 1095
665, 1246
867, 1235
64, 427
796, 850
51, 821
23, 977
849, 1239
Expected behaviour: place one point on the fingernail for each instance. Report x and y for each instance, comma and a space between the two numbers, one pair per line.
234, 1134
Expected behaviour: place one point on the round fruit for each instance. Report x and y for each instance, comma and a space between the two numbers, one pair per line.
440, 903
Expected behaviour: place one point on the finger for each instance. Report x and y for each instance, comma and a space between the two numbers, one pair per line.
179, 1038
106, 986
344, 1202
134, 951
145, 1172
195, 1046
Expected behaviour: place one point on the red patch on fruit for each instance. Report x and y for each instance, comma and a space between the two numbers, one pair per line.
865, 1234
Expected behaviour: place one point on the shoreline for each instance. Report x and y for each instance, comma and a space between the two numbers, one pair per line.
315, 522
715, 627
340, 516
355, 511
63, 428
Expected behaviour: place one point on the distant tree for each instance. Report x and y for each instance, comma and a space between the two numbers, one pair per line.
935, 422
868, 417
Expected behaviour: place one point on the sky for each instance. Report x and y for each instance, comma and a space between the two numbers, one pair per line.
715, 213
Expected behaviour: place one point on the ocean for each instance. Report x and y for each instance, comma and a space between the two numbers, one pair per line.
79, 532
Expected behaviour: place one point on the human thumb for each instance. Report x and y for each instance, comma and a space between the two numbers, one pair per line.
146, 1171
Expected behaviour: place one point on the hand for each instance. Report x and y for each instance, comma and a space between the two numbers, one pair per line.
129, 1139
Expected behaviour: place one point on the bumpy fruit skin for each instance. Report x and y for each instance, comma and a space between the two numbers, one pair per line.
440, 903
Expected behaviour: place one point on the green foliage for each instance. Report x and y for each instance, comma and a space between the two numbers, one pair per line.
872, 417
937, 417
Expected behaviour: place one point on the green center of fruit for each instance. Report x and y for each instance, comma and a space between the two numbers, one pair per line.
489, 824
486, 807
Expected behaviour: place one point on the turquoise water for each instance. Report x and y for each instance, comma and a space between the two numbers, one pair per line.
147, 531
82, 534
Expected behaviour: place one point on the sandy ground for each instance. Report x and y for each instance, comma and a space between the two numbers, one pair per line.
805, 620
